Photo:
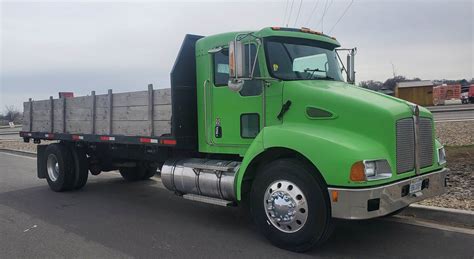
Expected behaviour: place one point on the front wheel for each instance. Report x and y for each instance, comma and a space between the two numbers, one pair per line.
290, 205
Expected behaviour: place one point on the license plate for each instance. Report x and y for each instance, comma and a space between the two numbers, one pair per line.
415, 186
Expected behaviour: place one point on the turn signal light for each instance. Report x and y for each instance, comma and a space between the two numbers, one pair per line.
358, 172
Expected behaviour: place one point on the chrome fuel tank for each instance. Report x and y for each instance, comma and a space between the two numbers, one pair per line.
206, 177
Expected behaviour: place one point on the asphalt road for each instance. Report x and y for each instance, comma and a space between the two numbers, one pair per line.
465, 115
113, 218
7, 133
460, 112
451, 107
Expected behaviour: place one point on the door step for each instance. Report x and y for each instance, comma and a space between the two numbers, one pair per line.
209, 200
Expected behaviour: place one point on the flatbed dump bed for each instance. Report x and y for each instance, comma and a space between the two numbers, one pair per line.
126, 118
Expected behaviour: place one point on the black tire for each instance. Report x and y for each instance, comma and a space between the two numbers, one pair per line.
81, 167
318, 225
149, 172
64, 179
132, 174
141, 172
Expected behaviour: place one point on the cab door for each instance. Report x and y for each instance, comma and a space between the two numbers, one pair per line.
235, 117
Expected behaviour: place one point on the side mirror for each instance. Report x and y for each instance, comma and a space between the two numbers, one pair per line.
351, 66
236, 65
235, 84
236, 59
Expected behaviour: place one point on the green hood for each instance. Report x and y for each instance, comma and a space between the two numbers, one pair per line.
354, 109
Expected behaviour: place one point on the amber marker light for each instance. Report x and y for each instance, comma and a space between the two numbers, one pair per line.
335, 196
304, 29
357, 172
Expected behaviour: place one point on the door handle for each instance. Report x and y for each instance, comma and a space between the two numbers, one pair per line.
284, 108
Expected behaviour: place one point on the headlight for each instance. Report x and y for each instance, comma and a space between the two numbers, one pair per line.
369, 170
441, 156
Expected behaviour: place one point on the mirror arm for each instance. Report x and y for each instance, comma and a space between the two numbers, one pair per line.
250, 58
340, 60
256, 57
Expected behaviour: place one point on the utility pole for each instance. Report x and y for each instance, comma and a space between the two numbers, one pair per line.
393, 70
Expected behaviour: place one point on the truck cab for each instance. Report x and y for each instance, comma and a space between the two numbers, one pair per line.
373, 154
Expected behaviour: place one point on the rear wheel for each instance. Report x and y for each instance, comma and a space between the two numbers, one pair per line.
81, 167
59, 166
290, 206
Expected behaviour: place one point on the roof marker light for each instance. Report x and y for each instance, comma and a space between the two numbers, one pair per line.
304, 29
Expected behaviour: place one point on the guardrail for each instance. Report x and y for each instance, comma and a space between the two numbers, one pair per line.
457, 108
8, 127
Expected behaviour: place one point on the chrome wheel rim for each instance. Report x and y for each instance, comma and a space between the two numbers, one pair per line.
285, 206
52, 166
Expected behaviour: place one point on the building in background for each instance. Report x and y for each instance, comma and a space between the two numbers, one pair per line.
419, 92
444, 92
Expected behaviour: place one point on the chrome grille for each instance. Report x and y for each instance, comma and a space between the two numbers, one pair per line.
426, 142
406, 144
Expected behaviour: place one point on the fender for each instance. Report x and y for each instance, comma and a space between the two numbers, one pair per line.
331, 150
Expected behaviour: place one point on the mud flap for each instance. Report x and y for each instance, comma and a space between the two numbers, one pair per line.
41, 161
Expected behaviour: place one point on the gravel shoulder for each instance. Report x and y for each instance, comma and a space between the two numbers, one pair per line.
458, 133
20, 145
461, 180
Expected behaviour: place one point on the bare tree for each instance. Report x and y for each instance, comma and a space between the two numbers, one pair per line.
12, 114
371, 84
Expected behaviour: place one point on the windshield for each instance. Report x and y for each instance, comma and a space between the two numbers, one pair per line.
301, 59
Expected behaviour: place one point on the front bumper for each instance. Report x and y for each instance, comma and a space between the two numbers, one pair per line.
379, 201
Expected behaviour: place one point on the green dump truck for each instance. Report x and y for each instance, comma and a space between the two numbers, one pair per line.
262, 118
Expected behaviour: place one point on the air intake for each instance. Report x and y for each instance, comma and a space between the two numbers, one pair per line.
406, 144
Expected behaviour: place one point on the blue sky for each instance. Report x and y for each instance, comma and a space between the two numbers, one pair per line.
79, 46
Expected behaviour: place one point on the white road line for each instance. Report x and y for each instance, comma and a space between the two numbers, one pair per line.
415, 222
15, 155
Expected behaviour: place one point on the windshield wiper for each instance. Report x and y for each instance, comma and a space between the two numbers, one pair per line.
317, 77
325, 78
312, 70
